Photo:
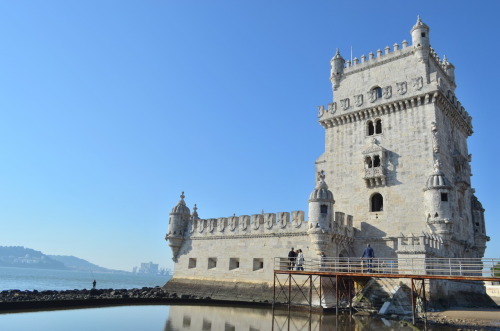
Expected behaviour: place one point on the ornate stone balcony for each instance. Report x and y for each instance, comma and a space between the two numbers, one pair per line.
374, 176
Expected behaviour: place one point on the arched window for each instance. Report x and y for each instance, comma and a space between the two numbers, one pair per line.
370, 129
378, 92
378, 126
376, 161
368, 161
377, 202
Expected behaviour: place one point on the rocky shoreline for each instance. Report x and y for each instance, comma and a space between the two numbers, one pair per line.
17, 300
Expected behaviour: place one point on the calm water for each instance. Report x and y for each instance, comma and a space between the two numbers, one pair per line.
201, 318
161, 317
42, 279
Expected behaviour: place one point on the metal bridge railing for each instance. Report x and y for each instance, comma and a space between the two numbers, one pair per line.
463, 267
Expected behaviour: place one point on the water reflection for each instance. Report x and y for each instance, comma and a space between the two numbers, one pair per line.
207, 318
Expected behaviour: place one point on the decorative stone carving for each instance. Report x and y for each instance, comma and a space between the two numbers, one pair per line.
418, 83
232, 221
283, 219
435, 137
344, 103
211, 224
332, 107
372, 95
221, 224
321, 110
387, 92
270, 220
402, 87
358, 99
244, 220
201, 225
256, 220
297, 218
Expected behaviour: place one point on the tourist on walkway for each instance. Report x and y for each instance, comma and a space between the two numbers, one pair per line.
300, 260
291, 259
369, 254
94, 284
322, 261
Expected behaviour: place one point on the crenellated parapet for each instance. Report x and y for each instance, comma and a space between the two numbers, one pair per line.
425, 243
263, 224
382, 57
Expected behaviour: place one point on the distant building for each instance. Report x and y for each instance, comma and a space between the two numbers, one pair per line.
148, 268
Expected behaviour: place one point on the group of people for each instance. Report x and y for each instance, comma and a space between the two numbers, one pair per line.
296, 259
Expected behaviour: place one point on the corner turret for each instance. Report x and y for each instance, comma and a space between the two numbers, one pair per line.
320, 215
337, 70
420, 39
438, 205
177, 225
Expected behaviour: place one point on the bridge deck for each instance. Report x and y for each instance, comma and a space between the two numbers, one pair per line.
416, 268
348, 270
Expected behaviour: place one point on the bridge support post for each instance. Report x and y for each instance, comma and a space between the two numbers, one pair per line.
337, 294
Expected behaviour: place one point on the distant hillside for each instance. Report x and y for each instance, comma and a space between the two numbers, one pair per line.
18, 256
76, 263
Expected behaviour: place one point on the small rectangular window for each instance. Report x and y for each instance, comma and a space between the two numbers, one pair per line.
192, 263
212, 262
234, 263
444, 196
324, 209
206, 326
186, 321
423, 34
258, 264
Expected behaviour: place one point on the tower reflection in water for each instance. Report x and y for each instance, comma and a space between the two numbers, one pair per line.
210, 318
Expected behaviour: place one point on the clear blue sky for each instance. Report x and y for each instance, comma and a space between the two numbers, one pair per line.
109, 109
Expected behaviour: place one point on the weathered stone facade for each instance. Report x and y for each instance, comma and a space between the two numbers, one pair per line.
395, 173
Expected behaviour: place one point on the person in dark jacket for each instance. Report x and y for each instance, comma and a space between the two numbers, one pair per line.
369, 254
291, 259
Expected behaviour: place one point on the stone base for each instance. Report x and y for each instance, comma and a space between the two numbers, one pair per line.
220, 290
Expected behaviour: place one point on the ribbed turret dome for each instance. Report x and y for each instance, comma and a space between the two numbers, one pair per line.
181, 207
420, 24
437, 180
321, 192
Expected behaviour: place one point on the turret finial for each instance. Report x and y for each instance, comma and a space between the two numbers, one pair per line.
195, 213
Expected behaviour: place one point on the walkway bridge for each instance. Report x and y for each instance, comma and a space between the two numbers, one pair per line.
319, 280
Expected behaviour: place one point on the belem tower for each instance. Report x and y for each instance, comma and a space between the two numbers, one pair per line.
395, 173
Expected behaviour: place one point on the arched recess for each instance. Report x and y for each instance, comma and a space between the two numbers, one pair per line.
376, 202
370, 128
378, 126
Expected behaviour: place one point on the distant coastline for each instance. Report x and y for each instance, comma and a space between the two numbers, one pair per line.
21, 257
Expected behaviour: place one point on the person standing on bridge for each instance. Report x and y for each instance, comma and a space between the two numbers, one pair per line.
300, 260
291, 259
369, 254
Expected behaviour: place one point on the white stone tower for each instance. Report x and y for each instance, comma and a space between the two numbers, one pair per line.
394, 117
